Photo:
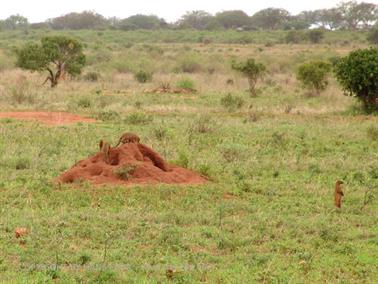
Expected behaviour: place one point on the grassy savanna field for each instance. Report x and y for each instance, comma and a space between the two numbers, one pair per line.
267, 216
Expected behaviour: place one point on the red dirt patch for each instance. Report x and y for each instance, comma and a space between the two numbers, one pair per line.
51, 118
131, 163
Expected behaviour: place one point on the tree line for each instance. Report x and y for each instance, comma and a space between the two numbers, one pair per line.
345, 16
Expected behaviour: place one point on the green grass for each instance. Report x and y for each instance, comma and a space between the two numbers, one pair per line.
267, 216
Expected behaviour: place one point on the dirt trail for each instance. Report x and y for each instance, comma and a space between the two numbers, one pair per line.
51, 118
131, 163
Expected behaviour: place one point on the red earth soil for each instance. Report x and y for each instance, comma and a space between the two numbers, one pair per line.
130, 163
51, 118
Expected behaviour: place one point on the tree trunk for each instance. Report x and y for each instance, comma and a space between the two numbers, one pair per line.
252, 87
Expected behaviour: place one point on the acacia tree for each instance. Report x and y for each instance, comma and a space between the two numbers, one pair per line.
252, 70
57, 55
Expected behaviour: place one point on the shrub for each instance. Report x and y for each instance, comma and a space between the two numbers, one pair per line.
138, 118
373, 36
186, 83
372, 132
108, 116
313, 75
315, 36
143, 76
357, 73
294, 37
189, 66
202, 124
252, 70
92, 76
231, 102
125, 172
84, 102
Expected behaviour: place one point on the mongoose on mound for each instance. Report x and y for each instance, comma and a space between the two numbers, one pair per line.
338, 193
105, 148
128, 138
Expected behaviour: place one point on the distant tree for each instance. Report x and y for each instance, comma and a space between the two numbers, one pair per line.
199, 20
233, 19
358, 14
271, 19
78, 21
145, 22
309, 17
357, 73
252, 70
331, 19
296, 23
57, 55
15, 22
313, 75
315, 36
41, 25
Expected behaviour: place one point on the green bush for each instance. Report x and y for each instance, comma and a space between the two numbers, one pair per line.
294, 37
186, 83
125, 172
143, 76
313, 75
108, 116
357, 73
138, 118
231, 102
84, 102
252, 70
373, 36
315, 36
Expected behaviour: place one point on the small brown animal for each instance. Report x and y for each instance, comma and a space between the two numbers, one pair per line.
105, 148
128, 138
338, 193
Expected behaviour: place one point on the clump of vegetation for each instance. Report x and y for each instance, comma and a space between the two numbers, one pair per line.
252, 70
84, 102
138, 118
357, 73
372, 132
202, 124
92, 76
189, 66
22, 163
125, 172
182, 160
373, 36
232, 103
186, 83
313, 75
57, 54
315, 36
294, 37
108, 116
143, 76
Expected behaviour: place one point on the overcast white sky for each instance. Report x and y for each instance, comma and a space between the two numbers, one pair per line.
171, 10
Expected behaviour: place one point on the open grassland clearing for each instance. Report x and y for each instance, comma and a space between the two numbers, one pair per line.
267, 215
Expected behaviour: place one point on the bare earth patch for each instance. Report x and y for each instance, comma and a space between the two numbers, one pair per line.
51, 118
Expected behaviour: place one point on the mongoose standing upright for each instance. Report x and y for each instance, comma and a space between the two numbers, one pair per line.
105, 148
338, 193
128, 138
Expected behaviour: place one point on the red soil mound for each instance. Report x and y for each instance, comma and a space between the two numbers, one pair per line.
52, 118
131, 163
